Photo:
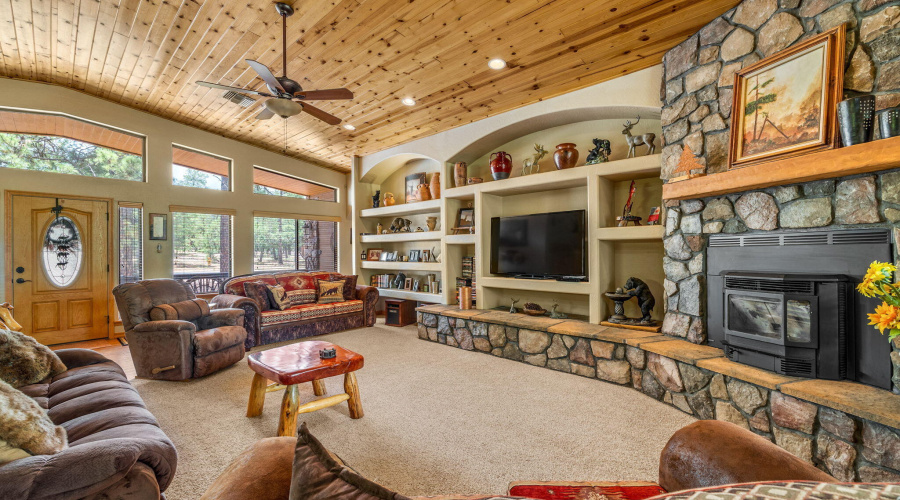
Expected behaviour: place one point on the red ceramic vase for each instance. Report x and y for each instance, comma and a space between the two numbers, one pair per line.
565, 156
501, 165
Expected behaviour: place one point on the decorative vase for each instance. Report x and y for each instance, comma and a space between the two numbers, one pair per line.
565, 156
435, 186
460, 173
855, 119
465, 297
431, 222
501, 165
389, 199
889, 122
423, 193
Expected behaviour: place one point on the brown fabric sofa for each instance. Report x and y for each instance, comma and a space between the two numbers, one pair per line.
705, 453
177, 349
306, 320
116, 448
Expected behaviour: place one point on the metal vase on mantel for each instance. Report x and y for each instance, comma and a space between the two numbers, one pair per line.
855, 118
889, 122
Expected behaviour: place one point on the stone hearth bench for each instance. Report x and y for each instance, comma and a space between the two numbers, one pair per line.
848, 429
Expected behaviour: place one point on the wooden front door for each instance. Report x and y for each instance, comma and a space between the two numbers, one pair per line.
60, 268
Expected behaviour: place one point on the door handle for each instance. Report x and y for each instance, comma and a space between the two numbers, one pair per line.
21, 280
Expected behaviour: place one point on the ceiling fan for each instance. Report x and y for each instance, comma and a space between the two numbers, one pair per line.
286, 92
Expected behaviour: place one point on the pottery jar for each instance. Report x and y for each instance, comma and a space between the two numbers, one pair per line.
435, 186
431, 222
423, 193
460, 174
501, 165
565, 156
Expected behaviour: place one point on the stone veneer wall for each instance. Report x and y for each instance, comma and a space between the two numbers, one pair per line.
848, 447
697, 97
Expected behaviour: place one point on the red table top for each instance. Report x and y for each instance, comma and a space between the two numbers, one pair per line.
300, 362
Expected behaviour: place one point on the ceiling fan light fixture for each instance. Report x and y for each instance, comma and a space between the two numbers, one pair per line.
284, 108
349, 127
408, 101
496, 63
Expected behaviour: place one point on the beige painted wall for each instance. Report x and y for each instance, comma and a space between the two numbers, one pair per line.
158, 193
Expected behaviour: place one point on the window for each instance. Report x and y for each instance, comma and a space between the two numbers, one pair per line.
276, 184
131, 243
48, 142
201, 243
284, 243
201, 170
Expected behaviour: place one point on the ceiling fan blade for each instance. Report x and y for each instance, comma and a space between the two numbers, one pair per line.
322, 115
265, 114
324, 95
266, 74
233, 89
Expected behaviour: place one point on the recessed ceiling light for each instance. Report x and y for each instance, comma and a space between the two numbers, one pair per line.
349, 127
409, 101
496, 64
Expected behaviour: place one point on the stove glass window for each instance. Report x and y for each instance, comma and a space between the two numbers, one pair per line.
762, 316
799, 321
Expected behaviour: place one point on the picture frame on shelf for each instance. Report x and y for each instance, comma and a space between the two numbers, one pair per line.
407, 284
158, 226
374, 254
785, 105
414, 255
412, 185
415, 285
465, 221
426, 255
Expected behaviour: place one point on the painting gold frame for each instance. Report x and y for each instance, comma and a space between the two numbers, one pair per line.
831, 44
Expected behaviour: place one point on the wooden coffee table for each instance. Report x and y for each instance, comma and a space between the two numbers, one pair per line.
296, 364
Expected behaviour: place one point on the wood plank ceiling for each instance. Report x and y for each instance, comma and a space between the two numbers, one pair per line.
147, 54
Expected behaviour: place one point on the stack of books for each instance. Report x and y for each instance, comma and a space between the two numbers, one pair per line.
382, 280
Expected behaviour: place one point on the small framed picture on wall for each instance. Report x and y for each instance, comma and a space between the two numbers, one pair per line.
158, 229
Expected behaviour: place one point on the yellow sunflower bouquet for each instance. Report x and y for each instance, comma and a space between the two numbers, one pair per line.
878, 282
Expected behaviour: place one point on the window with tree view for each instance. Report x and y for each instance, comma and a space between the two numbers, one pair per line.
61, 144
285, 243
201, 244
195, 169
276, 184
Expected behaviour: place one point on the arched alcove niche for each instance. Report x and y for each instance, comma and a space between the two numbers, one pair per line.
558, 120
387, 167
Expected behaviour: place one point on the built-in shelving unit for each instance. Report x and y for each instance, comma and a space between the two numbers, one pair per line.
400, 237
613, 253
420, 207
401, 266
630, 233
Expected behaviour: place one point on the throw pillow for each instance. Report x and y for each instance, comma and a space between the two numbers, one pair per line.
300, 297
330, 291
318, 476
24, 425
349, 284
259, 292
187, 310
278, 297
25, 360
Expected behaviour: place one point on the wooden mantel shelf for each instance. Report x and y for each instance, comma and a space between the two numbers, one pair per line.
869, 157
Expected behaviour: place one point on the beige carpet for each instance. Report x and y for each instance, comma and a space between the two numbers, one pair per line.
437, 420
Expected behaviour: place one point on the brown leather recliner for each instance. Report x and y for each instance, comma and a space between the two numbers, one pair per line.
177, 349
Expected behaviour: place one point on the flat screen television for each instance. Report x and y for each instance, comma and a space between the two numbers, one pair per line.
548, 245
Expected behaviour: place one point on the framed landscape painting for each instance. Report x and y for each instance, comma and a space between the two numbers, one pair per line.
785, 104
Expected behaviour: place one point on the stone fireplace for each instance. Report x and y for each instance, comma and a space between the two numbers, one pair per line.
697, 97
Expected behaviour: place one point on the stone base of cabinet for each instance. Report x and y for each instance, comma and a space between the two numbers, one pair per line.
849, 430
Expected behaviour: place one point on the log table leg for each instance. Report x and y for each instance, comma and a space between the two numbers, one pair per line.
352, 389
318, 387
287, 421
257, 396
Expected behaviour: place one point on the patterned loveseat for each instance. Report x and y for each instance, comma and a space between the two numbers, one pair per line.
305, 320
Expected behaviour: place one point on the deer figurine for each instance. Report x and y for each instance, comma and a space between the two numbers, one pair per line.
638, 140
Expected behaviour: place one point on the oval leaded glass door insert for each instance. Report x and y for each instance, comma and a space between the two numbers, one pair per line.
62, 252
